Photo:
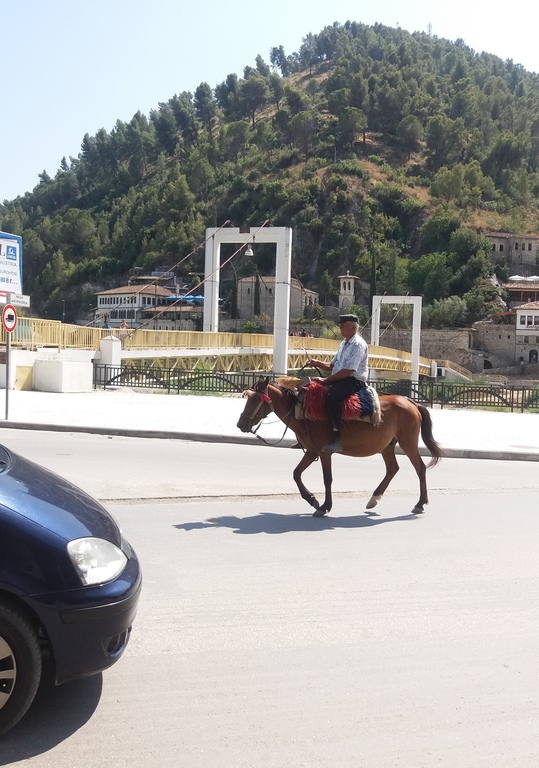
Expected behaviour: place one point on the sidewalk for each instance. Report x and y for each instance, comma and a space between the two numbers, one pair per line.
462, 434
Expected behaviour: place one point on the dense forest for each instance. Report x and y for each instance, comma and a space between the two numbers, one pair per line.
389, 153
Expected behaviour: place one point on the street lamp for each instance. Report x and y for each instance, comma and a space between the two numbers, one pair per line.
63, 310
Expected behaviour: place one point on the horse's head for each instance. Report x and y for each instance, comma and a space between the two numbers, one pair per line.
257, 407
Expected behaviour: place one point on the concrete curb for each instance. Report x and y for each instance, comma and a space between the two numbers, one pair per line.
450, 453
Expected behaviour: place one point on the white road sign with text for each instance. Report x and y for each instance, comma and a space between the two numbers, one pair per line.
10, 263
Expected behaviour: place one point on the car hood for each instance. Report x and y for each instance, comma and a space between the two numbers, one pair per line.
51, 501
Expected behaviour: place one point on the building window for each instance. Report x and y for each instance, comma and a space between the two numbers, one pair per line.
501, 246
529, 246
529, 320
522, 320
516, 246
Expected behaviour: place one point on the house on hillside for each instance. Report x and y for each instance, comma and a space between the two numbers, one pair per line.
519, 252
521, 290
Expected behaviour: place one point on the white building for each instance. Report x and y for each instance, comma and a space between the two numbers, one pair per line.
130, 303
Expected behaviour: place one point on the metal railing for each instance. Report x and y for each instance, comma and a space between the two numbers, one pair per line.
430, 393
172, 380
453, 395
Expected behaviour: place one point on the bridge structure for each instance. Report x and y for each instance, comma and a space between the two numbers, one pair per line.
208, 350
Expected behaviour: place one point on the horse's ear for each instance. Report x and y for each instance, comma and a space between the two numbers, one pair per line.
262, 384
266, 382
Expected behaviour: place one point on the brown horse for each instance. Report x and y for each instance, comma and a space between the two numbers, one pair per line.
402, 421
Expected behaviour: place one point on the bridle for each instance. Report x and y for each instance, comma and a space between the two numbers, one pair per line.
264, 399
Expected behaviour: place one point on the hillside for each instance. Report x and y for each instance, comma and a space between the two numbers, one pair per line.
389, 153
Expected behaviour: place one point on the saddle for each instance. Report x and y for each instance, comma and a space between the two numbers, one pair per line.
311, 402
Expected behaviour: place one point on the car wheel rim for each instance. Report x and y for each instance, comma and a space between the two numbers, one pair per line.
8, 672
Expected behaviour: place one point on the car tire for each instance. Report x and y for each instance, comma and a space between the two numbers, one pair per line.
20, 666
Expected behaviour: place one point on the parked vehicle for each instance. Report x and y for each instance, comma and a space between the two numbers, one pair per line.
69, 583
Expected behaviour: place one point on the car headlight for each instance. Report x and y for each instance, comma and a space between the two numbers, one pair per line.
96, 560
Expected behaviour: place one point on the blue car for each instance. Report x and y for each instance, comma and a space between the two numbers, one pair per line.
69, 583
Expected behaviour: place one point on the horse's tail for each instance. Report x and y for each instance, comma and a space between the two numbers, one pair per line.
434, 448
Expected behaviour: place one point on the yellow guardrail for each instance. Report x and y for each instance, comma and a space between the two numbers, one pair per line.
33, 333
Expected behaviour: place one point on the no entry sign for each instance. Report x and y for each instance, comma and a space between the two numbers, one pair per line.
9, 318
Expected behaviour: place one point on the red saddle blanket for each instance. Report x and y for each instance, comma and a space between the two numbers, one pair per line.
315, 403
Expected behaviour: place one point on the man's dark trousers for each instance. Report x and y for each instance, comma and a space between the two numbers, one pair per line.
336, 395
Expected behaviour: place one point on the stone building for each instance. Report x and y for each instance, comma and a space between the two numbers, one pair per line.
300, 297
511, 338
519, 252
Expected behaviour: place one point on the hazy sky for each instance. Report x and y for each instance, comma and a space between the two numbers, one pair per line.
70, 68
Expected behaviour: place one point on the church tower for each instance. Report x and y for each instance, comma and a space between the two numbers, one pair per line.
347, 291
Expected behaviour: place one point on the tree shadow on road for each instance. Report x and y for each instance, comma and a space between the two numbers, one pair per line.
271, 522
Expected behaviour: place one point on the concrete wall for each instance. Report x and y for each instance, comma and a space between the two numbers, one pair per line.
75, 366
62, 376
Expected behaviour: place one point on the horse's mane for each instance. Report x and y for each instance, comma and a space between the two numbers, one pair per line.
288, 382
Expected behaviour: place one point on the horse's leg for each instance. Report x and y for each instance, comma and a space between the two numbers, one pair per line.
392, 467
410, 448
325, 461
305, 462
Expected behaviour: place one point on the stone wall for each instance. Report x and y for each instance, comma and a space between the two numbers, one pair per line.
453, 344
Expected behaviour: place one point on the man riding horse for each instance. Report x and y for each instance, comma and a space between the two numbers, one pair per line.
349, 372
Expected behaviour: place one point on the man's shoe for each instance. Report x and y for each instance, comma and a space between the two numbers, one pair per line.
335, 446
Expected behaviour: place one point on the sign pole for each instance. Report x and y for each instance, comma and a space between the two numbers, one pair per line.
8, 361
9, 322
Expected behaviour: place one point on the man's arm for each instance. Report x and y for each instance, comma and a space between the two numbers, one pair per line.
342, 374
314, 363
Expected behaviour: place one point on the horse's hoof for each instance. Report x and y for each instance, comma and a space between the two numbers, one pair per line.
373, 501
417, 511
320, 513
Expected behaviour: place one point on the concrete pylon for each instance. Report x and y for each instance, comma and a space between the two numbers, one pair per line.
282, 237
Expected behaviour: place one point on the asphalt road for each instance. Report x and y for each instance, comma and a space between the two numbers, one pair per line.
268, 638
